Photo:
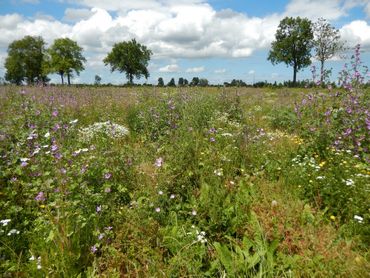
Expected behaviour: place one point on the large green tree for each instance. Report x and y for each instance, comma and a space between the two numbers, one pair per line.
66, 57
327, 43
293, 44
25, 61
129, 57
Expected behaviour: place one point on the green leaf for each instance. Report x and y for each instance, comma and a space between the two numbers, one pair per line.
50, 236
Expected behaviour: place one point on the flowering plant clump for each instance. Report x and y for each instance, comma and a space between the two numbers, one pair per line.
332, 166
109, 129
354, 76
339, 119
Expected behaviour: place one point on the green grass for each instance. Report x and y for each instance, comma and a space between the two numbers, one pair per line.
209, 182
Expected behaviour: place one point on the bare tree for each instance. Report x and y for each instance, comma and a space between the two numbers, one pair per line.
327, 43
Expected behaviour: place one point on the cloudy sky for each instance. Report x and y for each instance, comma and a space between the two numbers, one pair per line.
215, 39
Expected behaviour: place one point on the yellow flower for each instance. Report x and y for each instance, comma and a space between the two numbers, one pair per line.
322, 163
358, 260
332, 217
42, 206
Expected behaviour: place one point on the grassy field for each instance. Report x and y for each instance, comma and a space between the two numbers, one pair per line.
184, 182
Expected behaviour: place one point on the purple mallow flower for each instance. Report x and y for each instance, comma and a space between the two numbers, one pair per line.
93, 249
348, 132
367, 121
56, 127
58, 156
40, 197
54, 148
212, 130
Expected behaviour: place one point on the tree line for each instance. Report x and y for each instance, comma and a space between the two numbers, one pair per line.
30, 61
182, 82
297, 40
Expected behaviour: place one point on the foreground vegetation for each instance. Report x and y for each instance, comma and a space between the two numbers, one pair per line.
205, 182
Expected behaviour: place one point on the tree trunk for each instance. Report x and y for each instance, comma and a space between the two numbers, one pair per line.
294, 74
69, 79
322, 72
131, 77
61, 75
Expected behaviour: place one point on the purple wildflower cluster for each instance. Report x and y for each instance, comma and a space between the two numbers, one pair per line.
344, 118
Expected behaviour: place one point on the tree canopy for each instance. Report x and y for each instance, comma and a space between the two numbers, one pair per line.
66, 57
25, 61
293, 44
160, 82
129, 57
194, 81
171, 83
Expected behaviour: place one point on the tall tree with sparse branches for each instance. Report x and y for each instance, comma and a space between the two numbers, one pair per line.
327, 43
293, 44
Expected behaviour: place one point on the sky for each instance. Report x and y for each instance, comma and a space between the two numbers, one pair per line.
219, 40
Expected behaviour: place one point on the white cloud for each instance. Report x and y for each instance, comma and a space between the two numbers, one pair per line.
195, 69
357, 31
171, 29
251, 72
95, 61
43, 16
170, 68
313, 9
220, 71
90, 32
9, 21
118, 5
14, 27
75, 15
243, 52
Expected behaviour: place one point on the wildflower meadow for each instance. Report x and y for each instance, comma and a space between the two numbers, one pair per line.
186, 182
